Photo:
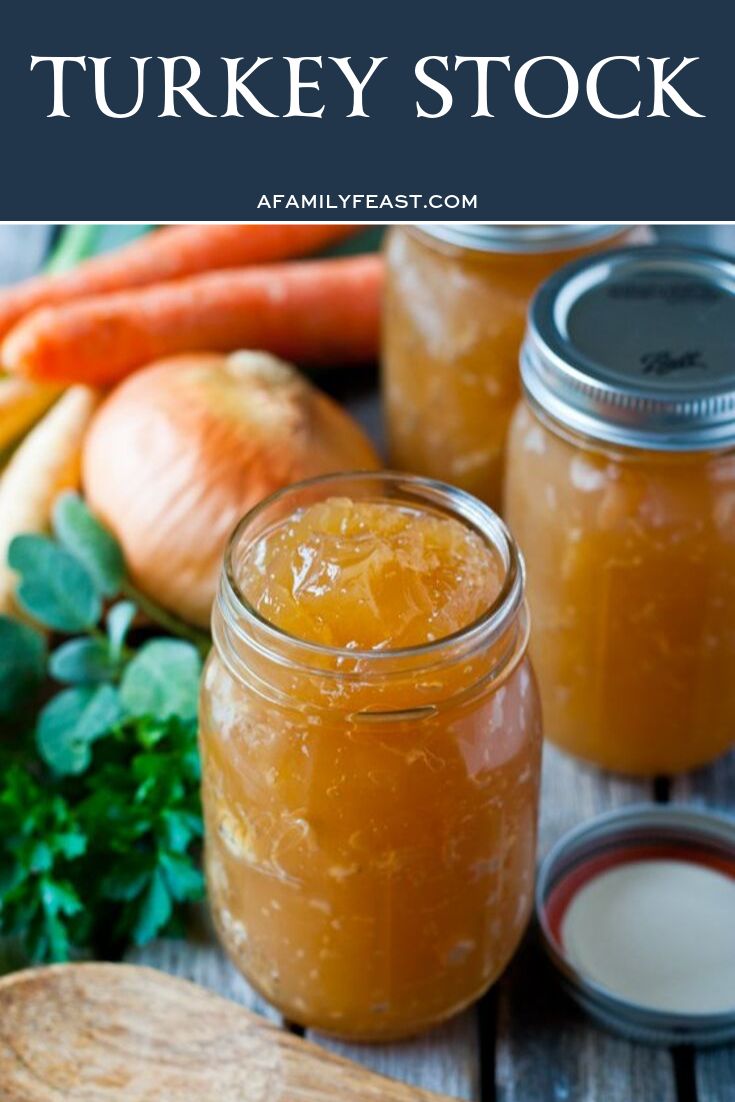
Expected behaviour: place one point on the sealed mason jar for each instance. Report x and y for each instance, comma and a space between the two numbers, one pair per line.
370, 812
455, 309
621, 491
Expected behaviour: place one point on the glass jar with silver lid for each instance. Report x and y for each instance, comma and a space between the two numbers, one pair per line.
455, 310
621, 492
638, 348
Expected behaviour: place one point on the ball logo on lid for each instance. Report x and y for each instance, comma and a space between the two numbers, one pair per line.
664, 362
673, 292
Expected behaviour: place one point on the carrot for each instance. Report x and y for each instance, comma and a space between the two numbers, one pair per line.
47, 462
313, 312
21, 403
170, 253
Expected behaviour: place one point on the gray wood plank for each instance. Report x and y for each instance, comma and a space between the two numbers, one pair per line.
573, 792
713, 787
546, 1049
714, 1071
23, 250
445, 1060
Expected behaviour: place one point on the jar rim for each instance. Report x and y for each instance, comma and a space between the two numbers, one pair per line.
518, 238
457, 503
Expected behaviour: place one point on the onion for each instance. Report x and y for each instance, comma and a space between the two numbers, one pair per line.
182, 449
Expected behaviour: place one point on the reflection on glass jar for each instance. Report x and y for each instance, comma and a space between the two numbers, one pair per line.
370, 804
621, 491
455, 309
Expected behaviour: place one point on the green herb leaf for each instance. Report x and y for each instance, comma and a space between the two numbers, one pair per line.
185, 882
155, 909
179, 828
22, 655
90, 542
127, 881
54, 587
58, 901
83, 660
60, 898
119, 619
163, 680
42, 845
71, 844
71, 722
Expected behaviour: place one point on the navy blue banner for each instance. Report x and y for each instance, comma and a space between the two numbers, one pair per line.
388, 111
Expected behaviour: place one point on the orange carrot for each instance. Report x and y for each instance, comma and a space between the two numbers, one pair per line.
170, 253
311, 311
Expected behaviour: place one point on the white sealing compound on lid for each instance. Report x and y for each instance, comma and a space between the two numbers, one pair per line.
657, 933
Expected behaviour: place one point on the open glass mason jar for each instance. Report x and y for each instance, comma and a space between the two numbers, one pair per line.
370, 813
455, 310
621, 491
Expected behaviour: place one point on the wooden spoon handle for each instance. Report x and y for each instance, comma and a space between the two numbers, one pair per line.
119, 1033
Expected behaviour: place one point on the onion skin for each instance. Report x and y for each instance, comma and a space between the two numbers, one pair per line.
181, 450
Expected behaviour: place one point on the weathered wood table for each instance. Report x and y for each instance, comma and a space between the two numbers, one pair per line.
524, 1042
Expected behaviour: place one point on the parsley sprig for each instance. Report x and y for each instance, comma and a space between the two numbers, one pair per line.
100, 823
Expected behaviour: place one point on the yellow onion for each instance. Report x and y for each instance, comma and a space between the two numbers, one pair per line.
182, 449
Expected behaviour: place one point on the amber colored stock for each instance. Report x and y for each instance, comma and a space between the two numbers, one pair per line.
631, 583
370, 858
453, 325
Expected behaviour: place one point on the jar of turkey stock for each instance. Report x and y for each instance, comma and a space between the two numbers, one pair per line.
371, 752
455, 309
621, 491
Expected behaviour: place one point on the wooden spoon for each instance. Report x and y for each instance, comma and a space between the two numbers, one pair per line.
118, 1033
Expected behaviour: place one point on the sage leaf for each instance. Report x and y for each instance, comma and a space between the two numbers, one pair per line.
162, 680
79, 531
71, 722
22, 657
81, 661
54, 587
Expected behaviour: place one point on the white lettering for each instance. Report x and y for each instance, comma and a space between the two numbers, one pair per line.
662, 86
100, 93
357, 86
593, 95
297, 84
57, 64
171, 89
441, 90
482, 64
236, 86
572, 87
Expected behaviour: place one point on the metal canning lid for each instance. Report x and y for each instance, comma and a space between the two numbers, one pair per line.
637, 347
498, 237
620, 840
